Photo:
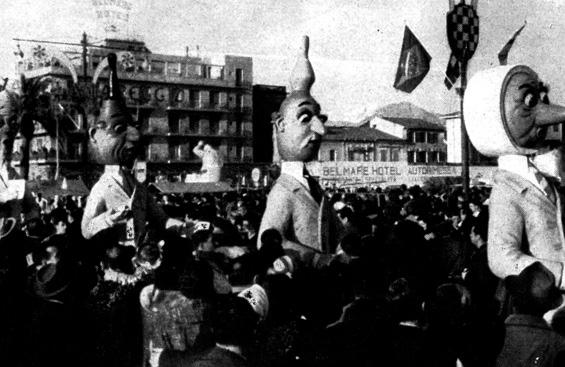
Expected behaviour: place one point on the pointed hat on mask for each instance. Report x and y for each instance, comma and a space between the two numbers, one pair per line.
114, 106
302, 77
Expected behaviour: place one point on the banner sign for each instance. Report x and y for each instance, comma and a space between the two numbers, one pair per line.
113, 14
389, 173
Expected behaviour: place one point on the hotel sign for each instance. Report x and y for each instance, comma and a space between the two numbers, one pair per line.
388, 173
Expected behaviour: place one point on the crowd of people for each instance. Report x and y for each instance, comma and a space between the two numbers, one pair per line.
408, 285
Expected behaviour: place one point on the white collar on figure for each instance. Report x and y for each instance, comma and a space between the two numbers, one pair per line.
296, 170
117, 172
520, 165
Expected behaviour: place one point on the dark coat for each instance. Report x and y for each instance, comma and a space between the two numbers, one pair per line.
530, 342
214, 357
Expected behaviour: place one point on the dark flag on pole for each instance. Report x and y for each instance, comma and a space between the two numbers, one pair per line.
503, 54
413, 65
462, 35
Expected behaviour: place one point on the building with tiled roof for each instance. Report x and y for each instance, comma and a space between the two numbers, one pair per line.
361, 144
425, 139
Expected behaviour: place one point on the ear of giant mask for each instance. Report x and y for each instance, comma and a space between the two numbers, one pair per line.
507, 111
114, 138
299, 125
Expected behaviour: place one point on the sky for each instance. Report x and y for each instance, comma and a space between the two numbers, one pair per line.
354, 44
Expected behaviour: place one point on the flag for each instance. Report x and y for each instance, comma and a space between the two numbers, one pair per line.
413, 65
462, 23
503, 54
452, 73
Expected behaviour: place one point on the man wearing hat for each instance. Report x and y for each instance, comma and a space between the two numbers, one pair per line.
508, 115
117, 200
529, 340
296, 205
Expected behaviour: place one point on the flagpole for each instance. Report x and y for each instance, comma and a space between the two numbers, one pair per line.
57, 149
464, 136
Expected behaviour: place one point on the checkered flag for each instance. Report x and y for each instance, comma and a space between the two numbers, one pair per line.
452, 73
462, 35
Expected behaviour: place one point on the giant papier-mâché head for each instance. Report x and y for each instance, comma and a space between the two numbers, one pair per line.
299, 124
114, 137
507, 111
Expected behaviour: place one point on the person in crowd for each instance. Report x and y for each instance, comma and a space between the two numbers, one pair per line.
249, 228
409, 342
529, 340
177, 312
205, 250
234, 324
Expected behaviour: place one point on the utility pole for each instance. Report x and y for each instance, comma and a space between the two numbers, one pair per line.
84, 122
464, 136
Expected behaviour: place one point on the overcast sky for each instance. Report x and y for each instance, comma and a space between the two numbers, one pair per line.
354, 45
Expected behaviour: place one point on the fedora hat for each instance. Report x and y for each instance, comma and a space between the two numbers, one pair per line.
534, 289
50, 281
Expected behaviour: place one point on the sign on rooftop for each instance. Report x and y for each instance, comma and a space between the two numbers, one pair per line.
113, 15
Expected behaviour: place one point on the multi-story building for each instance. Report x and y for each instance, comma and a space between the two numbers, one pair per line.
361, 144
178, 100
425, 140
267, 99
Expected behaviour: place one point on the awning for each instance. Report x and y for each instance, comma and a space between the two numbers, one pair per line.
61, 187
190, 188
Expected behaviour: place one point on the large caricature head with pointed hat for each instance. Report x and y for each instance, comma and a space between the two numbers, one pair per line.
114, 138
507, 111
299, 125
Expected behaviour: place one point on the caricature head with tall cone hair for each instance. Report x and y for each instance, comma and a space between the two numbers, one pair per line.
299, 125
114, 138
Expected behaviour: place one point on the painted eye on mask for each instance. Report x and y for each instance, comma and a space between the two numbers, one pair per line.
120, 128
305, 118
531, 99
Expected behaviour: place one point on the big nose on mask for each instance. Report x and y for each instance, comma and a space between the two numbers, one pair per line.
317, 126
549, 114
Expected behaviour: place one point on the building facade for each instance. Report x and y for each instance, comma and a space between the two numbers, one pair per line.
361, 144
453, 135
425, 141
267, 99
178, 101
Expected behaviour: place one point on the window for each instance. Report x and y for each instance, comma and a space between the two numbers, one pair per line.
411, 137
411, 156
332, 155
394, 154
238, 76
442, 157
194, 125
420, 137
383, 156
432, 138
214, 126
173, 68
157, 67
421, 157
192, 95
433, 157
214, 99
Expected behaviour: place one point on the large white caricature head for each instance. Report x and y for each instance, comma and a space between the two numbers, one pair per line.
299, 124
507, 111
